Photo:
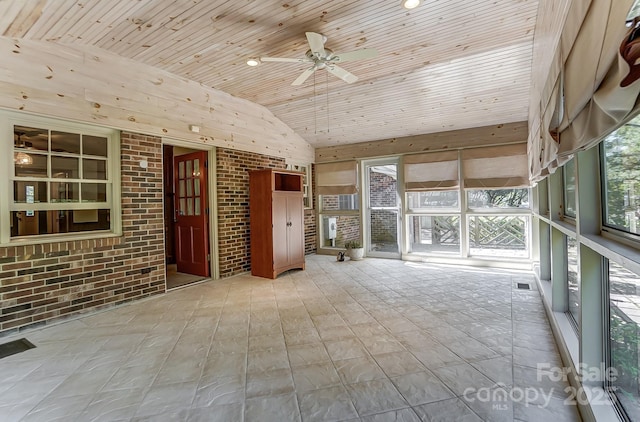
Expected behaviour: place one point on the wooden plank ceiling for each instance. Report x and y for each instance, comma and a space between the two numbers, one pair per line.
448, 64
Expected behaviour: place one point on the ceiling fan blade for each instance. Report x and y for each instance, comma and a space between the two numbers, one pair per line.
365, 53
304, 76
341, 73
285, 59
316, 43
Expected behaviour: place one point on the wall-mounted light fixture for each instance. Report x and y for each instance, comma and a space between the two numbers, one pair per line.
410, 4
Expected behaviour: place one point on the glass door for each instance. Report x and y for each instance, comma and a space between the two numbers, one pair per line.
383, 209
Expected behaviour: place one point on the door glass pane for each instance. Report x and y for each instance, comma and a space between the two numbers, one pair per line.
196, 168
29, 192
434, 234
183, 206
181, 170
189, 187
196, 187
181, 189
383, 209
65, 192
189, 206
65, 142
30, 165
189, 171
384, 231
64, 167
382, 186
197, 206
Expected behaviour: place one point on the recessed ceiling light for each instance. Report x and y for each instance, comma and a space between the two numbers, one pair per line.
253, 62
410, 4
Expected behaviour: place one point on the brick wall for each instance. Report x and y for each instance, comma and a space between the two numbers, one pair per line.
42, 282
233, 208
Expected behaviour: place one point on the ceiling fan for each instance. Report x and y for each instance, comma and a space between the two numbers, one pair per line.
323, 58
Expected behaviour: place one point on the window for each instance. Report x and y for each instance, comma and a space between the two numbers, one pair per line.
421, 201
499, 235
61, 179
434, 234
306, 182
620, 157
498, 198
569, 197
573, 282
624, 318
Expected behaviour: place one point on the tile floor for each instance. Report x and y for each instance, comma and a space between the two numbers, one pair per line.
373, 340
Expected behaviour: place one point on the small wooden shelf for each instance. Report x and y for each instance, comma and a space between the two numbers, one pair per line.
287, 182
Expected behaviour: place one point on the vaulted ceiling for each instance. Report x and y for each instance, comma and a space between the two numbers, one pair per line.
446, 65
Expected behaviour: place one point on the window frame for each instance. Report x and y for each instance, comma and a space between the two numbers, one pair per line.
565, 216
614, 232
307, 182
9, 119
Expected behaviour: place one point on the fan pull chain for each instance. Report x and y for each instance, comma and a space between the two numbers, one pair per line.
315, 113
326, 73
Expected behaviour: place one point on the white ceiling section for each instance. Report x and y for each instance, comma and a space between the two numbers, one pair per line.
446, 65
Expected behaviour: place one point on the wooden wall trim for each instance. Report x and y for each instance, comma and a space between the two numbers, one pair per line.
481, 136
87, 84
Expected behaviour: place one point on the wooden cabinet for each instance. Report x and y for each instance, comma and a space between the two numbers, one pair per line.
276, 221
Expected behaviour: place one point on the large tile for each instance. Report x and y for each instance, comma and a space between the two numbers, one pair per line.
462, 378
316, 376
327, 404
345, 349
402, 415
421, 387
113, 405
376, 396
276, 382
167, 399
451, 410
358, 369
272, 409
214, 390
399, 363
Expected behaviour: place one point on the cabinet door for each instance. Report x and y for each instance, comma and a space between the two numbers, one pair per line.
280, 230
295, 215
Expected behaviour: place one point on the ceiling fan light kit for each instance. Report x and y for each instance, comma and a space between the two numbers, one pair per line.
323, 58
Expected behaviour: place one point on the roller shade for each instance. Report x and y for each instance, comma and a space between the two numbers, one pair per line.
432, 171
337, 178
504, 166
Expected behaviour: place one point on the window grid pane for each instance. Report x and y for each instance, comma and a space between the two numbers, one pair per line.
56, 158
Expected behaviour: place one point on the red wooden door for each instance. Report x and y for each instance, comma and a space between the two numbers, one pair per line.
192, 228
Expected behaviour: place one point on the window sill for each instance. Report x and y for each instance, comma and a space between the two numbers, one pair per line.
617, 252
39, 240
